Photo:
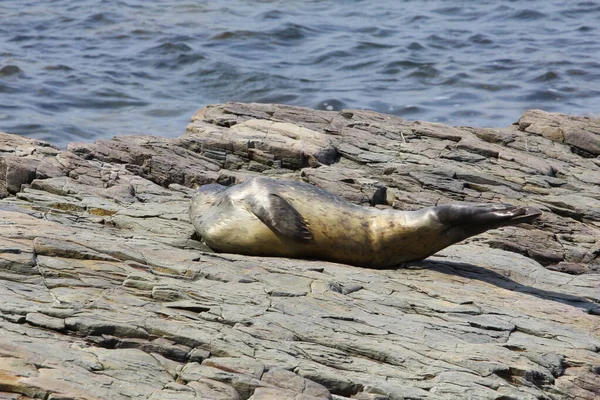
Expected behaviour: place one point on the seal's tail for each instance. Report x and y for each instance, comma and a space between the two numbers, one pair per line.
485, 216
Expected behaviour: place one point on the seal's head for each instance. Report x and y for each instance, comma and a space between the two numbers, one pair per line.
206, 195
210, 189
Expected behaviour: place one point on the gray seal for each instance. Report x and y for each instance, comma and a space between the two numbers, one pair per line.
267, 217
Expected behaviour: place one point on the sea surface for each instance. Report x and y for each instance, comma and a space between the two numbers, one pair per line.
81, 70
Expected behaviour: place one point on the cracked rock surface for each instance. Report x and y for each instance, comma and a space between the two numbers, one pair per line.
106, 292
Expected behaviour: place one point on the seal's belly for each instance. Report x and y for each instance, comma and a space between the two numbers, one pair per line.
338, 236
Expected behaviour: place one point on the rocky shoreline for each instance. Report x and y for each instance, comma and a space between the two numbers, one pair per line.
107, 293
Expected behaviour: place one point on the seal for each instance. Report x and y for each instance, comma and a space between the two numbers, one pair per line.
267, 217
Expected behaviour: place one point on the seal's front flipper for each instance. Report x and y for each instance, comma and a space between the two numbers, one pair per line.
279, 215
485, 215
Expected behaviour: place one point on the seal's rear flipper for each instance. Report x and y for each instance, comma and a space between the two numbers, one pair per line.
485, 216
279, 215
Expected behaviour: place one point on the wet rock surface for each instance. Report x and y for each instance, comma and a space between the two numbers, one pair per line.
106, 291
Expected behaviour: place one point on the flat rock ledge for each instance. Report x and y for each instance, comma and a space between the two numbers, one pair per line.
107, 293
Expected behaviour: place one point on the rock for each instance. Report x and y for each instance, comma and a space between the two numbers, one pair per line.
14, 172
272, 144
262, 393
295, 384
579, 207
242, 383
19, 160
244, 365
37, 319
103, 281
212, 390
582, 133
57, 248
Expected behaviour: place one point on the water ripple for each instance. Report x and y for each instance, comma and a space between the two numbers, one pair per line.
86, 70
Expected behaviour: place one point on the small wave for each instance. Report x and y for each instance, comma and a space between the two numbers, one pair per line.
103, 17
103, 99
542, 95
444, 43
24, 38
418, 18
332, 57
425, 72
170, 55
466, 113
481, 39
378, 32
290, 32
169, 48
8, 89
163, 112
368, 46
10, 70
26, 129
278, 98
58, 67
100, 19
396, 67
448, 10
582, 8
357, 66
546, 77
576, 72
272, 14
235, 35
406, 110
499, 65
415, 46
142, 32
456, 79
586, 28
495, 87
51, 106
528, 15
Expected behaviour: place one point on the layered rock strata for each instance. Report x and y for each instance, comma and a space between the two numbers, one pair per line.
106, 292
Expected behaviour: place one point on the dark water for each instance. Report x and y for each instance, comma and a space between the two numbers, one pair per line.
78, 70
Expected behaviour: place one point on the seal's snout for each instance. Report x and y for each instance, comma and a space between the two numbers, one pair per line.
204, 197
